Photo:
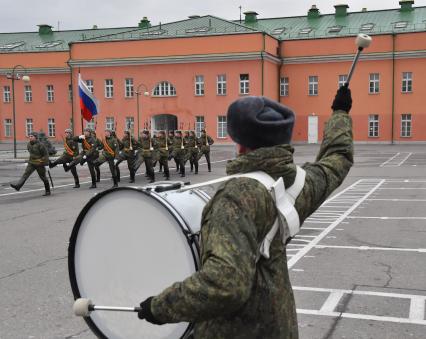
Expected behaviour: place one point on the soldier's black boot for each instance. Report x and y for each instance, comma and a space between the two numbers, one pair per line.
161, 167
209, 166
132, 177
182, 171
16, 186
98, 174
76, 183
52, 164
118, 173
192, 166
93, 183
46, 189
114, 179
167, 173
196, 167
151, 179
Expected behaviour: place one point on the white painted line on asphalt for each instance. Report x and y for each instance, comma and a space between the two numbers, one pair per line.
298, 270
386, 218
417, 308
405, 159
313, 228
309, 256
332, 301
368, 248
403, 188
305, 236
390, 159
324, 233
407, 200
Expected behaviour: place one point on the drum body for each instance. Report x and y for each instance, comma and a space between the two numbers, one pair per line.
129, 244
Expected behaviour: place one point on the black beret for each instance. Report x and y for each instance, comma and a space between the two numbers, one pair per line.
34, 134
257, 122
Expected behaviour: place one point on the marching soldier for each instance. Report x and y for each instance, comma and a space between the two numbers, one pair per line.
179, 151
241, 291
128, 145
39, 158
89, 153
98, 147
172, 140
205, 141
163, 144
146, 147
193, 151
70, 152
109, 154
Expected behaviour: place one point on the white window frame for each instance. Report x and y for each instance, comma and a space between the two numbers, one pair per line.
221, 84
284, 87
244, 84
110, 123
90, 124
109, 88
6, 94
407, 82
373, 126
50, 93
29, 126
164, 89
342, 80
374, 84
132, 124
129, 90
199, 125
28, 93
222, 131
51, 128
90, 86
199, 85
313, 85
406, 125
8, 128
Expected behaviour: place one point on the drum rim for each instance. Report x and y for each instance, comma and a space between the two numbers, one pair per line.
73, 238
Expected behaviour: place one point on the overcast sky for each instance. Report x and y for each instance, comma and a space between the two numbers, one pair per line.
25, 15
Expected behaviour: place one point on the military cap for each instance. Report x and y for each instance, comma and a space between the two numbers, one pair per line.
88, 129
109, 130
34, 134
259, 122
68, 130
145, 131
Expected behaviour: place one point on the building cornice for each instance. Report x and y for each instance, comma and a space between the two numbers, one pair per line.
40, 70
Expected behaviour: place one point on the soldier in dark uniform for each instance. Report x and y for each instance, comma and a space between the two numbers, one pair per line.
205, 141
98, 147
179, 151
193, 151
70, 152
39, 158
128, 146
46, 142
89, 153
163, 144
239, 291
109, 154
172, 138
146, 148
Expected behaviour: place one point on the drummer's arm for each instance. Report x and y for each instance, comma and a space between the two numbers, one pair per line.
225, 281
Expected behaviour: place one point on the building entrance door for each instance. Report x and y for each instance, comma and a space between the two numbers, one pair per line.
164, 122
312, 129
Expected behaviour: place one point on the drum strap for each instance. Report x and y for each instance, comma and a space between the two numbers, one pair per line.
288, 221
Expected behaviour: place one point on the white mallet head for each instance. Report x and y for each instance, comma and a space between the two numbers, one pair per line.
81, 307
363, 40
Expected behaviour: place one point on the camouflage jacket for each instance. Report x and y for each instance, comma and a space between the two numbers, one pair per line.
232, 295
110, 148
205, 142
70, 147
125, 146
38, 153
145, 146
89, 146
161, 145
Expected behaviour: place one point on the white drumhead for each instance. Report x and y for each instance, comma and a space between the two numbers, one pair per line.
128, 248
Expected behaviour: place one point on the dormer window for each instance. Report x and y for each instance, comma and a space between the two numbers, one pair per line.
367, 27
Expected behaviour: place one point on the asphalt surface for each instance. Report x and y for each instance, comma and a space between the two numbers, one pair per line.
357, 267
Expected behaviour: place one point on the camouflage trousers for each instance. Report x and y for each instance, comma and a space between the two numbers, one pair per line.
102, 159
41, 171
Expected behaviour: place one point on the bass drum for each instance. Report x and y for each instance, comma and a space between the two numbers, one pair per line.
129, 244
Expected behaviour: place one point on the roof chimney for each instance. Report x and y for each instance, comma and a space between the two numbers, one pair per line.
364, 9
44, 29
313, 12
194, 17
341, 10
144, 23
250, 17
406, 5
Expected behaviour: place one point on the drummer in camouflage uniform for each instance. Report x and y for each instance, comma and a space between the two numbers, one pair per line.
39, 158
70, 152
237, 293
109, 154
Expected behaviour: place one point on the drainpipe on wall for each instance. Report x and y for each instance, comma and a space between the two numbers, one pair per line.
393, 89
279, 70
72, 98
263, 62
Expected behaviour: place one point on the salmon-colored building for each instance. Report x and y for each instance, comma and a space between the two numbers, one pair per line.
184, 75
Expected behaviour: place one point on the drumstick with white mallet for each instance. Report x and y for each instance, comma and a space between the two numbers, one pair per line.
83, 307
362, 41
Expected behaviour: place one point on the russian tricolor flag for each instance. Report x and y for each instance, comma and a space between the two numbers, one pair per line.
89, 105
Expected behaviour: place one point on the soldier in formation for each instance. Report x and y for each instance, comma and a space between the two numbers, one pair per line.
110, 150
179, 152
39, 159
205, 141
164, 144
241, 291
147, 154
128, 146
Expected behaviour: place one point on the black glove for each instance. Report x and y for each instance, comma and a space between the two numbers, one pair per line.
145, 312
343, 99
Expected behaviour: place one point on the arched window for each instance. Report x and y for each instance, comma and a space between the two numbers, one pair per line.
164, 89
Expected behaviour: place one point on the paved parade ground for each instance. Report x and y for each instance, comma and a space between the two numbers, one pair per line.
357, 267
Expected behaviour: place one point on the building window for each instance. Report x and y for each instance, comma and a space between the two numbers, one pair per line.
130, 124
373, 125
8, 128
199, 125
244, 84
164, 89
69, 92
199, 85
29, 127
28, 93
407, 82
284, 90
90, 124
313, 85
221, 126
221, 84
129, 90
110, 123
342, 80
109, 88
6, 94
51, 128
406, 125
89, 84
50, 93
374, 83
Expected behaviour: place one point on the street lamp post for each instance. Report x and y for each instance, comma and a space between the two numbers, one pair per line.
138, 92
15, 76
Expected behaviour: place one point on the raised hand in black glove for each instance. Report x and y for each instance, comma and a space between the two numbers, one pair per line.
343, 99
145, 312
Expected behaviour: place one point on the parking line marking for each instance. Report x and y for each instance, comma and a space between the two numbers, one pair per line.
332, 301
367, 248
405, 159
407, 200
390, 159
417, 308
386, 218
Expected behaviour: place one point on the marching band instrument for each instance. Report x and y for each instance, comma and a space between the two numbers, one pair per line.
362, 41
